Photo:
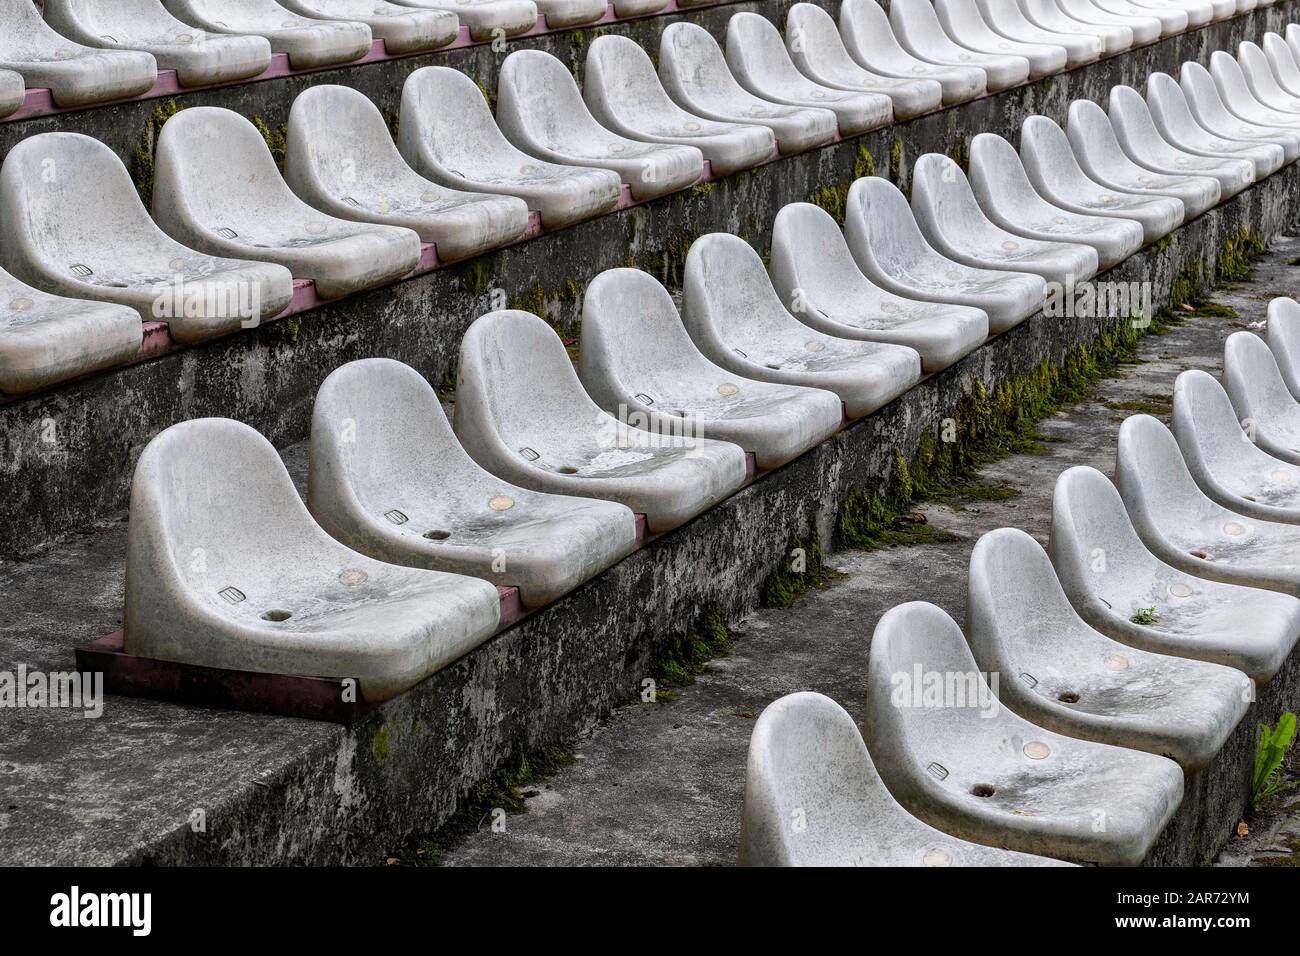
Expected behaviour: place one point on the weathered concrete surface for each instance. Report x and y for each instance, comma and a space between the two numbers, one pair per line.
662, 783
66, 456
122, 787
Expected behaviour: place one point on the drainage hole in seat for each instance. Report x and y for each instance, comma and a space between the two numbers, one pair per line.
1198, 553
567, 470
437, 535
982, 790
1069, 697
277, 616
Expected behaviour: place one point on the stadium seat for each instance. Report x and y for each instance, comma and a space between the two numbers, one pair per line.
1260, 395
870, 41
403, 29
308, 43
917, 29
1174, 120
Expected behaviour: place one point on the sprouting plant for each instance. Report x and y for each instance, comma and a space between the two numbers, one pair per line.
1145, 615
1273, 741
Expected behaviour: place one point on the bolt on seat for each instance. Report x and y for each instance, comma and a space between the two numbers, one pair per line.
815, 275
403, 29
1005, 18
953, 756
891, 250
1174, 120
226, 568
523, 415
389, 479
307, 42
738, 322
1284, 340
216, 188
448, 134
1260, 396
813, 797
86, 234
637, 361
624, 94
540, 109
1207, 105
951, 220
486, 19
1007, 197
145, 25
1061, 674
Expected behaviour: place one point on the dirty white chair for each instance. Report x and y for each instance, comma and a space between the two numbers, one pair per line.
918, 30
1242, 102
523, 415
1005, 18
1054, 170
485, 17
571, 13
975, 769
1102, 159
13, 93
1123, 590
340, 158
1008, 198
1282, 63
448, 134
953, 223
540, 110
1225, 463
308, 43
217, 189
966, 27
403, 29
1209, 109
624, 94
1117, 34
1284, 340
1173, 20
1185, 528
736, 319
695, 74
870, 41
815, 276
389, 479
109, 249
636, 359
1260, 396
75, 75
891, 251
815, 46
46, 339
1134, 128
813, 797
226, 568
146, 25
1174, 120
1199, 12
759, 62
1061, 674
1261, 82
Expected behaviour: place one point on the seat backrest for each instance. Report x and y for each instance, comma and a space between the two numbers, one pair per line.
1254, 381
620, 79
1284, 340
538, 96
880, 227
1048, 159
942, 197
755, 48
726, 294
337, 138
445, 119
809, 253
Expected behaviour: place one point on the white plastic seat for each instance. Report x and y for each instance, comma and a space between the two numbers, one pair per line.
1284, 340
976, 770
217, 189
1199, 12
624, 94
738, 322
1141, 29
448, 134
145, 25
870, 41
226, 568
815, 46
1051, 166
1112, 578
1182, 526
807, 763
1173, 20
340, 158
1063, 675
13, 93
1260, 395
403, 29
1236, 93
1207, 105
759, 62
637, 8
966, 27
1099, 154
75, 75
917, 29
1174, 120
1225, 463
638, 361
308, 43
1263, 85
953, 223
1007, 197
1283, 63
485, 17
540, 110
1082, 44
46, 339
571, 13
523, 415
695, 74
1136, 131
889, 248
85, 234
815, 276
389, 479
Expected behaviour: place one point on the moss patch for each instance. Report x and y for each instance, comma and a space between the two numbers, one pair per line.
277, 140
142, 159
800, 569
677, 663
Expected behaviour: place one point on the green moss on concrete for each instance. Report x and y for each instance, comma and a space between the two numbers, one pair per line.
142, 158
959, 153
834, 197
379, 744
677, 662
277, 140
1242, 246
800, 569
537, 300
897, 169
700, 190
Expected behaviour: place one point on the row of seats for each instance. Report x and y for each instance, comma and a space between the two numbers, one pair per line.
1156, 609
228, 235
